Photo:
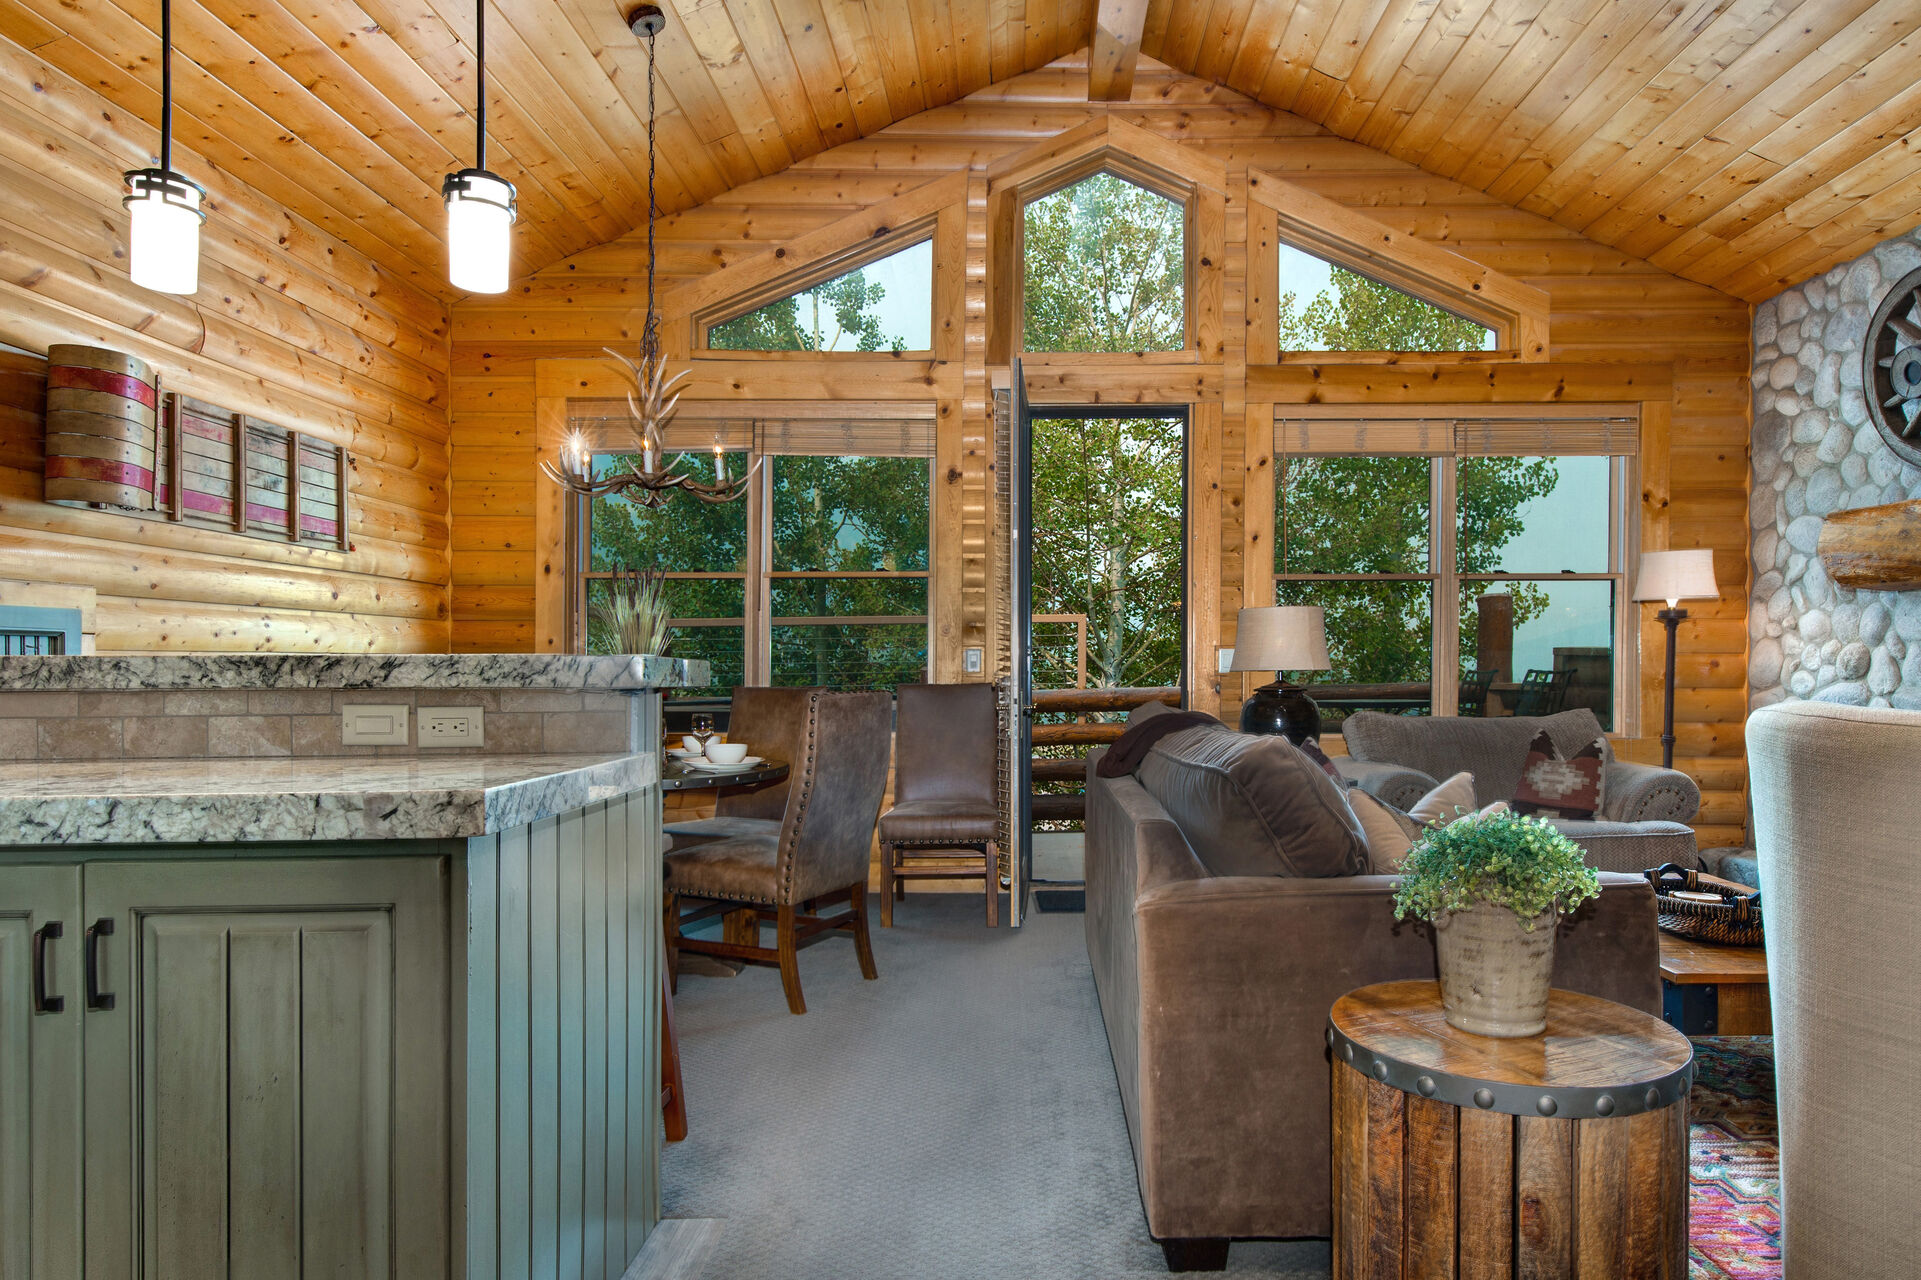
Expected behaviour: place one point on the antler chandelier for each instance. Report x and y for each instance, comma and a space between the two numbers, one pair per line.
640, 478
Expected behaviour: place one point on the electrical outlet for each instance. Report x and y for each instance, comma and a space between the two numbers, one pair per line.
451, 727
1227, 660
374, 725
971, 661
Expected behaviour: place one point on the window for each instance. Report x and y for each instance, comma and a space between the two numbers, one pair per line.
1471, 567
1105, 265
1330, 308
818, 576
885, 305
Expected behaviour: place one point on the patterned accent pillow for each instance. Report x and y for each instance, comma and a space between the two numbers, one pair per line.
1312, 750
1561, 787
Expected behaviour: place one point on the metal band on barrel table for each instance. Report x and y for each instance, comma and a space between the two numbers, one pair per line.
1456, 1155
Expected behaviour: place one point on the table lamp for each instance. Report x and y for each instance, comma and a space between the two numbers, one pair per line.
1674, 576
1281, 638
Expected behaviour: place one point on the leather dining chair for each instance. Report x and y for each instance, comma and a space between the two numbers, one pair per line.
946, 793
812, 857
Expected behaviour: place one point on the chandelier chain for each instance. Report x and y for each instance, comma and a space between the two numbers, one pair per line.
650, 335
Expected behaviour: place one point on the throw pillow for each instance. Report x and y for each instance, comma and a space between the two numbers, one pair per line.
1312, 750
1563, 787
1445, 803
1390, 833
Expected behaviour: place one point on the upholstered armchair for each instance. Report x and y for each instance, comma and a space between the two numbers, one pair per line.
1644, 809
813, 856
1836, 808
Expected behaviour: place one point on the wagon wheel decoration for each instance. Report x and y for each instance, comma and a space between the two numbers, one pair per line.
1891, 368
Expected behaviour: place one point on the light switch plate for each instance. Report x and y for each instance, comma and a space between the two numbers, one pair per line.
451, 727
374, 725
1227, 660
971, 661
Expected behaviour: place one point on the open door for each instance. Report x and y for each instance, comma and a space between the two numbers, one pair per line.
1020, 566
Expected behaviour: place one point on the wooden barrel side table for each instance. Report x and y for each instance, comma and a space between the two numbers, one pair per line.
1461, 1157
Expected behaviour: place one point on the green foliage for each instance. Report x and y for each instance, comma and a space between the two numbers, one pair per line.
835, 316
1505, 859
1370, 515
632, 615
1107, 543
1366, 315
1105, 267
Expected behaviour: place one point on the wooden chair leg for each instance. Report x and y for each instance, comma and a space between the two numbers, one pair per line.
673, 943
742, 926
863, 946
993, 878
886, 885
673, 1089
789, 959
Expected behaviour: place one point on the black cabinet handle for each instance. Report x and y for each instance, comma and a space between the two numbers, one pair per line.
42, 1002
96, 998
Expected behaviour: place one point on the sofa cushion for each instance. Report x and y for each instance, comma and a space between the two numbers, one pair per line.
1253, 805
1452, 799
1491, 749
1559, 784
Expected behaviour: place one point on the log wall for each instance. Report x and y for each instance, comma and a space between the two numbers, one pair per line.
290, 323
1619, 330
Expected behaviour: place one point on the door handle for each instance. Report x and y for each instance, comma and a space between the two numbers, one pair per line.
96, 998
42, 1002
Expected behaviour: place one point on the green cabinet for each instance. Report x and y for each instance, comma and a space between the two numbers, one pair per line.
262, 1058
40, 1066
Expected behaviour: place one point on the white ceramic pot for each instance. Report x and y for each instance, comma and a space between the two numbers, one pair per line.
1495, 971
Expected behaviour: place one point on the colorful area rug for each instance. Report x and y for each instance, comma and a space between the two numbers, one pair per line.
1734, 1217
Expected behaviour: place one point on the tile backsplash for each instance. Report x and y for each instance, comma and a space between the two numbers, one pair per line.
244, 724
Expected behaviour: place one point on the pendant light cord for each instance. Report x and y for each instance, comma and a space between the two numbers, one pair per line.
480, 83
650, 336
166, 85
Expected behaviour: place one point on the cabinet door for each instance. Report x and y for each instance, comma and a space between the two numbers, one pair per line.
40, 1073
268, 1095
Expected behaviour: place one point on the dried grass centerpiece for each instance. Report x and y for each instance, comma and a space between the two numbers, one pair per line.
635, 617
1494, 886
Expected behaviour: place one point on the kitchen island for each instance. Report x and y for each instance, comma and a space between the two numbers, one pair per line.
278, 1003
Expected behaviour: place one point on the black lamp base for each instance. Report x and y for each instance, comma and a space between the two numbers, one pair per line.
1283, 709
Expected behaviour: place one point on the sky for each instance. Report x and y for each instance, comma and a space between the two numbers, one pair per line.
1568, 529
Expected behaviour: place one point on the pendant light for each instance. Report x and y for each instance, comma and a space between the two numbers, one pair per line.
642, 478
480, 205
164, 246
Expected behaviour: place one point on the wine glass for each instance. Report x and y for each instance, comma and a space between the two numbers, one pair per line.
703, 727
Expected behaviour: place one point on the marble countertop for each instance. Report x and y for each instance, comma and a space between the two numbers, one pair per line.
310, 798
613, 673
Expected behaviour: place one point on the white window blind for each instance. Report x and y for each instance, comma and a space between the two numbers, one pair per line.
844, 430
1462, 437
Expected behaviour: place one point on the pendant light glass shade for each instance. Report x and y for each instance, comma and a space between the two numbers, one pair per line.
164, 253
480, 219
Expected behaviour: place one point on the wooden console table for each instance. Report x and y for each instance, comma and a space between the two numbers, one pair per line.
1713, 990
1560, 1154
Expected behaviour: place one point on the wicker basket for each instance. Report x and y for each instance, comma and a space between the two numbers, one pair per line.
1705, 908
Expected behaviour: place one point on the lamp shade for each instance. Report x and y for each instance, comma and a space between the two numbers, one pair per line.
1281, 638
480, 216
163, 250
1675, 576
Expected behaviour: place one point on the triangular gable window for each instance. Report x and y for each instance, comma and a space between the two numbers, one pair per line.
1105, 262
1325, 307
884, 305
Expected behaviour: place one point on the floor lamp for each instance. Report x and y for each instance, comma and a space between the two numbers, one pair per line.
1674, 576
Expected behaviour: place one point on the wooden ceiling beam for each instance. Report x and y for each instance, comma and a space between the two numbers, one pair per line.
1115, 49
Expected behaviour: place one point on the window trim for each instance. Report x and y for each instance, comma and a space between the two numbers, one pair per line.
757, 578
1444, 574
818, 272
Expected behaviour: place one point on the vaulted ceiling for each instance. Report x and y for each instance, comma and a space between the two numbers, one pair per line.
1743, 143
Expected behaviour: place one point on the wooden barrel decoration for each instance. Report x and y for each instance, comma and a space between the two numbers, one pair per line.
100, 427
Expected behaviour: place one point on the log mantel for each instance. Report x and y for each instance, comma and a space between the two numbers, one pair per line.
1874, 547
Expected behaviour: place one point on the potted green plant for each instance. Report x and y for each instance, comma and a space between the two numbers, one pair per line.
634, 616
1495, 887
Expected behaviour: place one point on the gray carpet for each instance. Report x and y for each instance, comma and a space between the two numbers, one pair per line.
957, 1118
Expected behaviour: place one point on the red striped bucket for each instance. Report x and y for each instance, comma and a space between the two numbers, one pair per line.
100, 427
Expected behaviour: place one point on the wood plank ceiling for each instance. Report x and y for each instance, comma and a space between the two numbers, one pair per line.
1746, 144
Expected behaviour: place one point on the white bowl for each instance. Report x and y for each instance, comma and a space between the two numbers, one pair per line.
691, 743
726, 752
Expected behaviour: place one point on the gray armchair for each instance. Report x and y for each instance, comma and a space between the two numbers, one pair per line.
1645, 810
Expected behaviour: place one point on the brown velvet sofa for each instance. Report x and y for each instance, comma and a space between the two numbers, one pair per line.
1215, 992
